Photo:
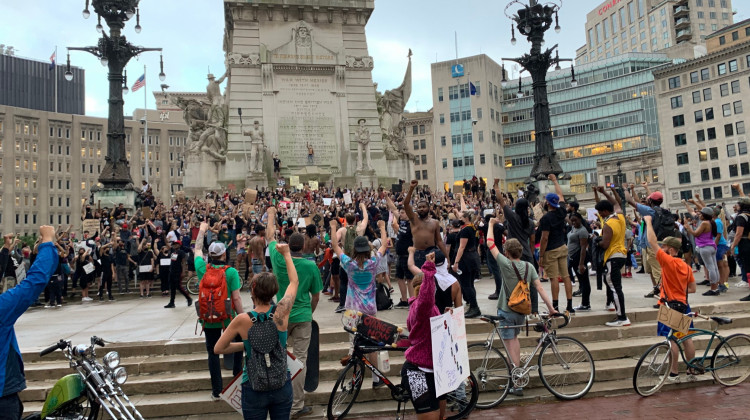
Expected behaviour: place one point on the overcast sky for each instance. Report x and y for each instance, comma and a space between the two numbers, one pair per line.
190, 31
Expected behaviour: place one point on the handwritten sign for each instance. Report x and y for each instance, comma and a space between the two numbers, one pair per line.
294, 180
146, 212
91, 226
251, 195
347, 198
327, 201
313, 185
449, 369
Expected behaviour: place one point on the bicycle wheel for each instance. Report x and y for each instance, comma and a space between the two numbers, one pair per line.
192, 285
345, 391
461, 402
652, 369
566, 368
492, 372
730, 363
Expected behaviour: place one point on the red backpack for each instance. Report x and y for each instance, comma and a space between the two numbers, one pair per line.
214, 302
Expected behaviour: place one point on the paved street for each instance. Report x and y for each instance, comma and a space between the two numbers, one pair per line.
128, 320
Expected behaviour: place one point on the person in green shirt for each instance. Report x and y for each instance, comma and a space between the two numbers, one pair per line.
217, 254
308, 294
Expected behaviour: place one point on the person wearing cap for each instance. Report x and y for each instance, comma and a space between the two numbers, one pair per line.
217, 260
677, 282
650, 265
741, 243
553, 248
177, 258
704, 236
310, 285
615, 253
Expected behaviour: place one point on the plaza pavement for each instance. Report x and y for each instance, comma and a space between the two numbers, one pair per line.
134, 320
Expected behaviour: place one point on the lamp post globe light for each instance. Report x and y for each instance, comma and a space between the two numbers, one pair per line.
114, 52
532, 20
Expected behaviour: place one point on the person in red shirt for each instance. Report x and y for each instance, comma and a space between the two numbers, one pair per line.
676, 282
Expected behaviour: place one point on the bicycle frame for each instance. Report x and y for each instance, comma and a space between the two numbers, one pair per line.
695, 332
525, 367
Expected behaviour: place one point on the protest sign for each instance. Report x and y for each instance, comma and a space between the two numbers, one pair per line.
146, 212
294, 180
313, 185
211, 203
327, 201
91, 226
449, 369
591, 215
251, 195
347, 198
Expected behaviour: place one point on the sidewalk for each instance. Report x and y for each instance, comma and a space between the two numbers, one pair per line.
146, 320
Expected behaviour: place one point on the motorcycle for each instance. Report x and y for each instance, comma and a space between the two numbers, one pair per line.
95, 388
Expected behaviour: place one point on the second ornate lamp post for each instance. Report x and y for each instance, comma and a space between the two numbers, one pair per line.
533, 20
114, 52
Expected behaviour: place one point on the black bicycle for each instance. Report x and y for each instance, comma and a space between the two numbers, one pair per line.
458, 405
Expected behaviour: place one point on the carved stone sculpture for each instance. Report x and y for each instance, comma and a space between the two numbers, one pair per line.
391, 105
363, 146
207, 122
257, 147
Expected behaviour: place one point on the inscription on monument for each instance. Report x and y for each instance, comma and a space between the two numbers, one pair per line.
307, 115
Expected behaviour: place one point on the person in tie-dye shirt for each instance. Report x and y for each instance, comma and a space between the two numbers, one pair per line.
361, 269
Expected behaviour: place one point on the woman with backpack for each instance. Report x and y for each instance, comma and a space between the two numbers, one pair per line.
261, 394
704, 242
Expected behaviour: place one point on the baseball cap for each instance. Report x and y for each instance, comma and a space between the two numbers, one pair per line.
552, 199
656, 196
744, 200
361, 244
708, 211
671, 241
216, 249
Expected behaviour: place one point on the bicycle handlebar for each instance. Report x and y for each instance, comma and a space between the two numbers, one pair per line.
57, 346
557, 315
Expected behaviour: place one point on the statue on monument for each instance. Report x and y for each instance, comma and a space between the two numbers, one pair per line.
392, 104
363, 144
257, 147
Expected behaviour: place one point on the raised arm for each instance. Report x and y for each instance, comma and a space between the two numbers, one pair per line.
362, 226
284, 306
334, 238
558, 190
407, 200
699, 202
491, 238
630, 196
736, 187
650, 235
199, 240
410, 263
271, 220
383, 237
644, 184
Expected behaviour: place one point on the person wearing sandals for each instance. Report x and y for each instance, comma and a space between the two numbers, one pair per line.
677, 282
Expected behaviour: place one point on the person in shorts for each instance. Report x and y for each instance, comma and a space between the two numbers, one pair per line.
553, 248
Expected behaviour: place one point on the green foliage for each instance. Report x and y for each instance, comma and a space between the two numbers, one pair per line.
28, 240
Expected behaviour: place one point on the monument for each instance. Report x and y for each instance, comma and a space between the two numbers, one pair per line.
300, 70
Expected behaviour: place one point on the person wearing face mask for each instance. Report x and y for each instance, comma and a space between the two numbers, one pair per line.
146, 263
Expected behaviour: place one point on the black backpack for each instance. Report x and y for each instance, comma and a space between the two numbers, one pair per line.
266, 363
383, 297
664, 223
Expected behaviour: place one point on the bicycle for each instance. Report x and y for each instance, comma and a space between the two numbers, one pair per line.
565, 365
655, 364
349, 383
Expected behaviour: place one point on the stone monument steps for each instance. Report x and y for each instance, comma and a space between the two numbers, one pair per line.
170, 379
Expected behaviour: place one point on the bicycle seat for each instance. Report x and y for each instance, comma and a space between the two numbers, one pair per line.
721, 320
491, 318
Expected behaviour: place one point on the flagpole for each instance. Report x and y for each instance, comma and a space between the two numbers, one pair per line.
55, 79
460, 112
145, 117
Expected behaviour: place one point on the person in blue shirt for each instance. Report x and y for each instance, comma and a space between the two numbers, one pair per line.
13, 304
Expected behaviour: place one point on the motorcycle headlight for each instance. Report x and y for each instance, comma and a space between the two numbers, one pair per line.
120, 375
111, 360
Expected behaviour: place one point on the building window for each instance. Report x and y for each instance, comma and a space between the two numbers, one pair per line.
711, 132
722, 40
726, 110
421, 131
742, 148
744, 168
697, 97
716, 173
728, 130
736, 86
694, 77
732, 66
440, 94
709, 114
724, 89
704, 175
738, 107
682, 158
698, 116
416, 143
481, 136
707, 193
414, 130
479, 113
422, 145
445, 163
713, 152
707, 94
424, 174
702, 155
684, 177
442, 118
424, 159
678, 121
686, 195
442, 141
674, 82
676, 102
418, 175
731, 151
733, 170
718, 193
740, 127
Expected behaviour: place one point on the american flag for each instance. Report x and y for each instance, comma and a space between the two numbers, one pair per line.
52, 59
141, 82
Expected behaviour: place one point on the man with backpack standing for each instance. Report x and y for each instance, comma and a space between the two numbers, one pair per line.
299, 330
217, 283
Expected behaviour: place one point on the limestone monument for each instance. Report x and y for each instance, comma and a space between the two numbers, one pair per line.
302, 68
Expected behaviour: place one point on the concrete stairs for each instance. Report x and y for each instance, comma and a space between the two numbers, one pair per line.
169, 379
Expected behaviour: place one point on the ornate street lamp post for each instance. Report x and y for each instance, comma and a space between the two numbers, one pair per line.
114, 52
533, 20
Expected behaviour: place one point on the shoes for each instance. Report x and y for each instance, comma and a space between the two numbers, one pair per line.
641, 271
583, 308
390, 290
543, 280
560, 280
111, 298
101, 298
618, 323
49, 306
377, 384
570, 311
141, 296
673, 378
712, 293
532, 318
170, 305
723, 288
518, 392
476, 280
339, 309
704, 283
656, 306
627, 275
577, 293
493, 296
301, 413
148, 295
745, 299
58, 306
327, 292
740, 284
473, 312
215, 397
610, 307
190, 302
654, 293
402, 304
86, 299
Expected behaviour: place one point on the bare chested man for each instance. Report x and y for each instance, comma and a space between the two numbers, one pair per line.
312, 243
425, 230
257, 250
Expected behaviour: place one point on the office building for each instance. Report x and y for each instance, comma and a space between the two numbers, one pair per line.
30, 84
610, 114
421, 143
41, 154
701, 103
467, 120
676, 27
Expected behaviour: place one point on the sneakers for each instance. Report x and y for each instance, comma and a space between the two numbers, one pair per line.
577, 293
583, 308
544, 280
86, 299
301, 413
518, 392
473, 312
111, 298
532, 318
402, 304
339, 309
610, 307
170, 305
704, 283
618, 323
49, 306
723, 288
58, 306
673, 378
712, 293
493, 296
740, 284
654, 293
215, 397
377, 384
745, 299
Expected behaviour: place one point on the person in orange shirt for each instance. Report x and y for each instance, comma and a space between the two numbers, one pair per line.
676, 282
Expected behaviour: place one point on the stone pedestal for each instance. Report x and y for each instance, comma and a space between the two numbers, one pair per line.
366, 179
113, 197
201, 174
547, 186
257, 181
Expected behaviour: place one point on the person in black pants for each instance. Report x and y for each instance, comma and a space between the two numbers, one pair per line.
578, 242
108, 272
177, 258
466, 264
164, 270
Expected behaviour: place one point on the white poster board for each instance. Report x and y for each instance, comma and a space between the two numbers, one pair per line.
591, 215
459, 323
347, 198
327, 201
20, 273
450, 370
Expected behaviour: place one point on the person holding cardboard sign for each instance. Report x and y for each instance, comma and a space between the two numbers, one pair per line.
676, 282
